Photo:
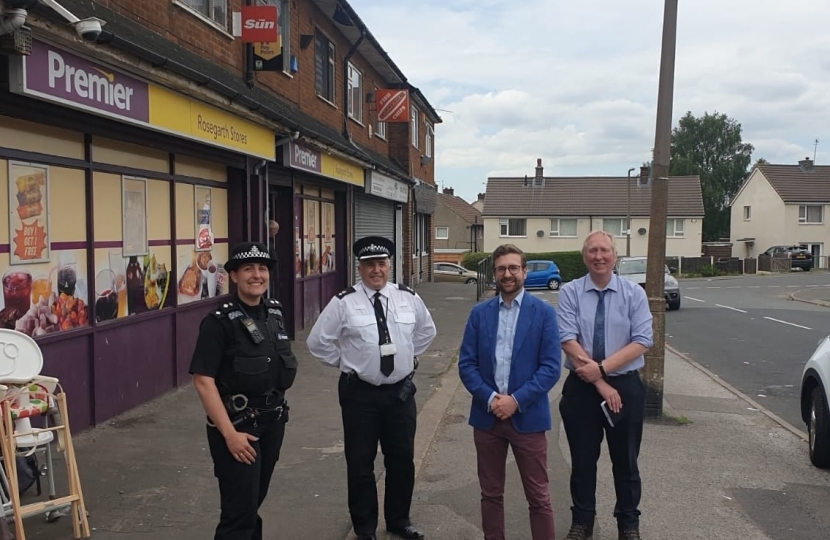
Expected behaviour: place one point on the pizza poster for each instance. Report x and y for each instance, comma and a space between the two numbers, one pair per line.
28, 213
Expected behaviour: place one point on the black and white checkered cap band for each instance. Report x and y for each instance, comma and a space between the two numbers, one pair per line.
253, 253
373, 251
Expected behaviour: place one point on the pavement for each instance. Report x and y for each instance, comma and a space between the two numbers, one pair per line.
715, 466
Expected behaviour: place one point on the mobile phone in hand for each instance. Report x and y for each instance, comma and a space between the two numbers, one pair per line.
613, 418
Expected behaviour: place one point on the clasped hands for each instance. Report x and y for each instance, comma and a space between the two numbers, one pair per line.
503, 406
588, 370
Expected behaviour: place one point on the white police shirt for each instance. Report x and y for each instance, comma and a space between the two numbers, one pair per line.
346, 333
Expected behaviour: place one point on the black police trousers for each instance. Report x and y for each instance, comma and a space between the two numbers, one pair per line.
242, 488
371, 414
584, 424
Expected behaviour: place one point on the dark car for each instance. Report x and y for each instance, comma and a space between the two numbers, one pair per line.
799, 256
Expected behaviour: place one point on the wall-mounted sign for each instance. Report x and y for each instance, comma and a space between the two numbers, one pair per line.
259, 24
56, 75
387, 187
393, 105
300, 156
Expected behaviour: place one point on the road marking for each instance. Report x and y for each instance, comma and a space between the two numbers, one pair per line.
773, 286
690, 288
754, 287
713, 287
734, 287
730, 307
791, 324
812, 286
695, 299
792, 286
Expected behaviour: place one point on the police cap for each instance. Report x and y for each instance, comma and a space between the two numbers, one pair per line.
373, 247
249, 252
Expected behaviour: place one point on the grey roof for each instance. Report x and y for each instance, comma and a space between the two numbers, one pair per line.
465, 210
587, 196
793, 184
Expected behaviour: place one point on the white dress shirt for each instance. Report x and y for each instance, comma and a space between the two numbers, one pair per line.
346, 333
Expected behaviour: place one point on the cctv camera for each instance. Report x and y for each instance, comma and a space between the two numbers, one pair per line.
294, 135
90, 28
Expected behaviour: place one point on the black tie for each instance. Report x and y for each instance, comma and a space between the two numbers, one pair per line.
387, 363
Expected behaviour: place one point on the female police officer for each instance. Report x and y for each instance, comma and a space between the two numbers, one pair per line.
242, 365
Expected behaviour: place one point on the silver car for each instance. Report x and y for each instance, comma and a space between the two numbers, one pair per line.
449, 272
634, 269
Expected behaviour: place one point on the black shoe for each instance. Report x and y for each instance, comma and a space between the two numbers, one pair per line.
629, 534
369, 536
581, 532
407, 533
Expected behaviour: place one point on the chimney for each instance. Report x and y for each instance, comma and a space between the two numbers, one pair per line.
539, 179
481, 196
449, 191
645, 172
806, 165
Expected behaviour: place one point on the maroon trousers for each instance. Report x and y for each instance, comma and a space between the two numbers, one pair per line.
531, 453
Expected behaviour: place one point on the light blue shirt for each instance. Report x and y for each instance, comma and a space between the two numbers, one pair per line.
505, 335
627, 317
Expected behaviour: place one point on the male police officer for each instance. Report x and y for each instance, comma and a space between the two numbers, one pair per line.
242, 365
373, 332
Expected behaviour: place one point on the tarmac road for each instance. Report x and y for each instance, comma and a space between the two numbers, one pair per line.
749, 332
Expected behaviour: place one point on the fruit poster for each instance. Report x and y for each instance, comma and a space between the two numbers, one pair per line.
28, 213
134, 207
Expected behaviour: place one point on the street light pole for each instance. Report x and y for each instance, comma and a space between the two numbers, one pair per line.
656, 356
628, 217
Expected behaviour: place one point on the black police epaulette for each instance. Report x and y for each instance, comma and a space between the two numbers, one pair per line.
274, 306
344, 292
227, 310
407, 289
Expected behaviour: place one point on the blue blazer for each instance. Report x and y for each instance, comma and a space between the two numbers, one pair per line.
534, 369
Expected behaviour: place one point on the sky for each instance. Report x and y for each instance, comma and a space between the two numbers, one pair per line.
574, 82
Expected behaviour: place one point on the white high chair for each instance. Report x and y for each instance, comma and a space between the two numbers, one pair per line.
25, 394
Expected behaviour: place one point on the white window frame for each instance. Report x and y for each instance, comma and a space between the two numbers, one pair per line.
804, 214
355, 94
446, 235
672, 225
414, 115
556, 227
747, 213
330, 68
429, 136
380, 130
210, 7
623, 223
504, 227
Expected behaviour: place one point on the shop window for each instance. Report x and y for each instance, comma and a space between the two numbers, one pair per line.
324, 60
213, 11
355, 93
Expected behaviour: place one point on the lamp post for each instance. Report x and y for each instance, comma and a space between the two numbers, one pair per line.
628, 217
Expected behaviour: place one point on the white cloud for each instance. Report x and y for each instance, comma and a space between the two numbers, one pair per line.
575, 83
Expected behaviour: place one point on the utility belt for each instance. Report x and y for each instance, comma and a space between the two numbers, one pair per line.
244, 409
403, 389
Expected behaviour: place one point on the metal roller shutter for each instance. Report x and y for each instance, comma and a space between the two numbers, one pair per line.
373, 217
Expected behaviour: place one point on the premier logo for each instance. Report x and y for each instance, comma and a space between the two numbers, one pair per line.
100, 88
304, 157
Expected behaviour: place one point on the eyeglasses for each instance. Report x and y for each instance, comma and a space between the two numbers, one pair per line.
514, 269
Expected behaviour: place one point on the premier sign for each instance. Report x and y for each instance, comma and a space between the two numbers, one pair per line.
58, 75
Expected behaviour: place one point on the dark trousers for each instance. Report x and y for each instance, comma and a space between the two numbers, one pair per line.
531, 453
373, 414
584, 425
242, 488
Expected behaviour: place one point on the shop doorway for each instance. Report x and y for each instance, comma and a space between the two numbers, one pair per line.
281, 246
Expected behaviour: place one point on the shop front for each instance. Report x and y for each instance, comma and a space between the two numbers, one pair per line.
312, 192
378, 211
122, 197
424, 198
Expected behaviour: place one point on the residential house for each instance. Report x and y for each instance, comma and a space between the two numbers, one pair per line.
459, 228
478, 204
545, 214
138, 155
782, 205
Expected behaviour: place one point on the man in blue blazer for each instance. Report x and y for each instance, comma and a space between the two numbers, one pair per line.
509, 361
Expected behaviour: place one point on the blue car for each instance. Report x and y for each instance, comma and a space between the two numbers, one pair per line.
543, 274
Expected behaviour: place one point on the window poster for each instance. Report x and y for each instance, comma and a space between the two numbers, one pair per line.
327, 254
134, 211
28, 213
204, 219
311, 262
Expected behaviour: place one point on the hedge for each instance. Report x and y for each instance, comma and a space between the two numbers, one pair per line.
570, 263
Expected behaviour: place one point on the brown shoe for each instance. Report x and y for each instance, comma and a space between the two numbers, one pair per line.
580, 532
629, 534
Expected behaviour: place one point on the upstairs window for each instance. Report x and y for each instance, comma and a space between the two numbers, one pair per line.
442, 233
674, 228
430, 135
512, 227
214, 11
413, 121
324, 64
810, 214
355, 92
747, 213
615, 226
563, 227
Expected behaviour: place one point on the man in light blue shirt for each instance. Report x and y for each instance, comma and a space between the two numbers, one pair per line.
605, 328
509, 360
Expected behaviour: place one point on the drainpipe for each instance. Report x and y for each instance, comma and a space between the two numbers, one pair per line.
346, 59
249, 59
11, 20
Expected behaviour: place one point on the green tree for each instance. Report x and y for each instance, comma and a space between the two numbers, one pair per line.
711, 147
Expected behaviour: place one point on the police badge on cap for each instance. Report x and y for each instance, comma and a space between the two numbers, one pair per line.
373, 247
248, 252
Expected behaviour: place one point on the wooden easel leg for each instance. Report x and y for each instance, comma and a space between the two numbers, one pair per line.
80, 523
10, 453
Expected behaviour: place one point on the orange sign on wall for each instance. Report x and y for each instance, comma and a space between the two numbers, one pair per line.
393, 105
